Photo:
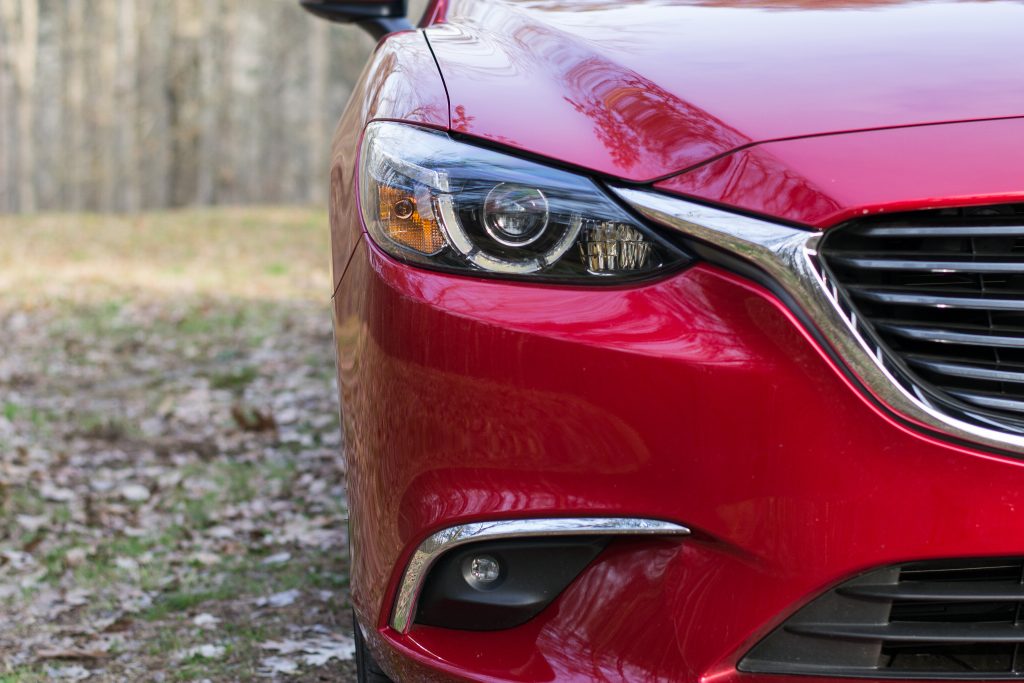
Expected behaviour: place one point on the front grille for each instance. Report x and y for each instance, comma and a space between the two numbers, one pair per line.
942, 292
953, 619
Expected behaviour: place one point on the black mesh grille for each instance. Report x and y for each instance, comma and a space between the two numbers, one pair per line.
943, 292
962, 619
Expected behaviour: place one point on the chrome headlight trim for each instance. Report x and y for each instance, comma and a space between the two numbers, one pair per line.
442, 541
789, 256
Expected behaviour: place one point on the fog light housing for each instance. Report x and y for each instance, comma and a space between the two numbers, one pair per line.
495, 585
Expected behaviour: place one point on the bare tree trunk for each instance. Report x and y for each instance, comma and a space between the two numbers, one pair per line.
318, 134
74, 112
134, 104
105, 102
22, 20
226, 174
210, 94
129, 173
26, 82
6, 200
183, 107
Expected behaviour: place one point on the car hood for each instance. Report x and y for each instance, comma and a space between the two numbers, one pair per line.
644, 89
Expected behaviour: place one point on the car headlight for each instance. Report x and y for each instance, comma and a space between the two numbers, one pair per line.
434, 201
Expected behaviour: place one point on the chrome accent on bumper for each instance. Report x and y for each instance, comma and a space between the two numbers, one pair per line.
441, 542
789, 256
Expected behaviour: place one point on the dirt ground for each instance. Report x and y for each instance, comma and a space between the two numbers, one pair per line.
171, 486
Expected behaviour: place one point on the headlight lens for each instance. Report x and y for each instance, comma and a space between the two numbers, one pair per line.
431, 200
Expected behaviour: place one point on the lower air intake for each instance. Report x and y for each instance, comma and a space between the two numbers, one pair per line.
949, 619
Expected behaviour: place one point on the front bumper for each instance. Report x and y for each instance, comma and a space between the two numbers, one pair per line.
696, 399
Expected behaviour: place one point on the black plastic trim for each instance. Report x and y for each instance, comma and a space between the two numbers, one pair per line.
376, 18
534, 571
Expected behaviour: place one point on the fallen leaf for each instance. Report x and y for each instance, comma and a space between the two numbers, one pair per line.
135, 493
55, 494
71, 653
118, 625
127, 564
271, 666
315, 651
252, 419
206, 559
32, 523
282, 599
205, 620
75, 557
277, 558
71, 673
204, 651
220, 532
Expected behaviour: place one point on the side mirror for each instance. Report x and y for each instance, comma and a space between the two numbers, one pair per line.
378, 17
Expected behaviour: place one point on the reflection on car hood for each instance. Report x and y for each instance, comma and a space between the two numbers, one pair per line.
644, 89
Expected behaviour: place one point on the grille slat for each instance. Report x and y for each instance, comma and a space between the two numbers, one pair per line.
944, 367
950, 336
990, 401
950, 619
895, 262
915, 633
943, 301
941, 295
937, 591
939, 231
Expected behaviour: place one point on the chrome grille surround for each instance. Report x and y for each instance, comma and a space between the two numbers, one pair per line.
789, 257
944, 291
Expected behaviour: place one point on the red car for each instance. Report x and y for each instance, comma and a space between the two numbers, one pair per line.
684, 341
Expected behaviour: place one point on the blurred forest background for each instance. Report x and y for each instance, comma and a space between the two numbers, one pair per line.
172, 502
127, 105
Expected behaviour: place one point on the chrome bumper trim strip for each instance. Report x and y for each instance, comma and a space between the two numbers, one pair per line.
441, 542
788, 255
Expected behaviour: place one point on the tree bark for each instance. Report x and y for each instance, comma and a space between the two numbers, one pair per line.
21, 20
183, 105
124, 105
319, 126
75, 152
6, 188
129, 172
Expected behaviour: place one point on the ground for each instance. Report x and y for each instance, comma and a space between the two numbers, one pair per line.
171, 482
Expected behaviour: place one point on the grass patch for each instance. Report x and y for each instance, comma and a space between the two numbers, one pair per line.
36, 417
271, 253
28, 674
106, 427
182, 601
236, 379
199, 511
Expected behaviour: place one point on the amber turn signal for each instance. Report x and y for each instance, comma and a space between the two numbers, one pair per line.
401, 218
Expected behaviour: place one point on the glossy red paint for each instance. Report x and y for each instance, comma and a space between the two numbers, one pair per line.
697, 399
643, 89
822, 181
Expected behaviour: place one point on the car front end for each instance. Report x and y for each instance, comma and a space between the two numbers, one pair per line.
636, 389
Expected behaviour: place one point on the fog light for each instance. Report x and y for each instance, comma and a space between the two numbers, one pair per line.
501, 583
515, 215
482, 571
614, 248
